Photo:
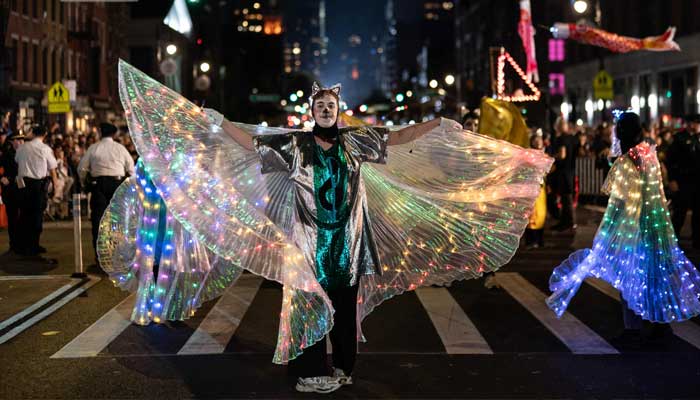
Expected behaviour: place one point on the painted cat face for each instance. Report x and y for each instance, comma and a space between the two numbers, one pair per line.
325, 110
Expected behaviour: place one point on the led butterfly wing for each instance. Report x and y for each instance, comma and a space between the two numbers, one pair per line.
450, 206
214, 188
135, 233
635, 248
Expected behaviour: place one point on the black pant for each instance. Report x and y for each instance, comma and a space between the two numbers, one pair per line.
10, 197
684, 200
33, 200
534, 236
102, 190
568, 215
314, 360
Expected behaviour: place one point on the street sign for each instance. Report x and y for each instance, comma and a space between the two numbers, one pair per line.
264, 98
58, 98
603, 86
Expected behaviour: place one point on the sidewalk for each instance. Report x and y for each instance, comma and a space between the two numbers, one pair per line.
31, 291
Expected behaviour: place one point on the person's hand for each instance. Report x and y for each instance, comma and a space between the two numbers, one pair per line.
447, 124
4, 181
673, 186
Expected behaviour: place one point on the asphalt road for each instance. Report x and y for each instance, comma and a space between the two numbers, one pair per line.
464, 341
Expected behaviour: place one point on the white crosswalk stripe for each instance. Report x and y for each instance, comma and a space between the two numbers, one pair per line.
100, 334
579, 338
221, 322
686, 330
458, 333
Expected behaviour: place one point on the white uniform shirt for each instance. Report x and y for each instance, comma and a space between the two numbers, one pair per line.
106, 158
34, 160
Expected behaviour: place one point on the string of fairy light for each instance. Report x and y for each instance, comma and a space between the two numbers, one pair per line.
636, 249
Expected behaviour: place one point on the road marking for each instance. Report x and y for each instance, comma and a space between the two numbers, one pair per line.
218, 327
579, 338
686, 330
98, 335
49, 310
16, 317
458, 333
31, 277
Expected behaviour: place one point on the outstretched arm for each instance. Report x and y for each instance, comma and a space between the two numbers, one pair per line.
413, 132
243, 138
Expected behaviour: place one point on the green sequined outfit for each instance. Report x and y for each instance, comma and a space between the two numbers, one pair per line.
333, 211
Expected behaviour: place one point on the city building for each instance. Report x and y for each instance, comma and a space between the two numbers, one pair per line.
70, 42
159, 42
253, 57
659, 86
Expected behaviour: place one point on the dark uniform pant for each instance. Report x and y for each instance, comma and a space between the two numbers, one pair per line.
313, 361
684, 200
102, 190
10, 197
33, 201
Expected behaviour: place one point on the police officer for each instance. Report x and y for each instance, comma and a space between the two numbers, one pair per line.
108, 163
35, 163
8, 185
683, 164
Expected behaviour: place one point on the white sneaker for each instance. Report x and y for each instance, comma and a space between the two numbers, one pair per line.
343, 379
318, 384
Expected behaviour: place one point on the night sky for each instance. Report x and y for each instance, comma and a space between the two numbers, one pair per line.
365, 18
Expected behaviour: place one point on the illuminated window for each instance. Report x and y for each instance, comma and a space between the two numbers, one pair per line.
273, 25
556, 84
556, 50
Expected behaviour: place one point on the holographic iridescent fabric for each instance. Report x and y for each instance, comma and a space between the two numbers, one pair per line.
451, 205
137, 232
635, 248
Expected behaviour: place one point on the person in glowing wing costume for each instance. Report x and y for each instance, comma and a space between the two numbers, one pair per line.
334, 214
635, 249
147, 251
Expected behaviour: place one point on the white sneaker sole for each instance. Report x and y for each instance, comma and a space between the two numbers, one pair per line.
345, 381
309, 389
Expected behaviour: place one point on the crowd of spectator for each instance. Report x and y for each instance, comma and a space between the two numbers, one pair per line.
68, 149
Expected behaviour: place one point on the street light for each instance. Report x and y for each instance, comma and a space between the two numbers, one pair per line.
450, 79
204, 67
580, 6
300, 93
171, 49
399, 97
433, 83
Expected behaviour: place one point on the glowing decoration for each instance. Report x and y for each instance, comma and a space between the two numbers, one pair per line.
136, 233
178, 18
450, 206
556, 50
504, 57
635, 248
527, 35
556, 84
616, 43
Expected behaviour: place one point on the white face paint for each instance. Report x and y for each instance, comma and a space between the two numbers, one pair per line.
325, 111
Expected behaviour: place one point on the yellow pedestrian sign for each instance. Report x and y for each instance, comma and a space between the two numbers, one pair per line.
603, 86
58, 99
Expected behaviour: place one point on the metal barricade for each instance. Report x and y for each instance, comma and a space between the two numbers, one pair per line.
590, 178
